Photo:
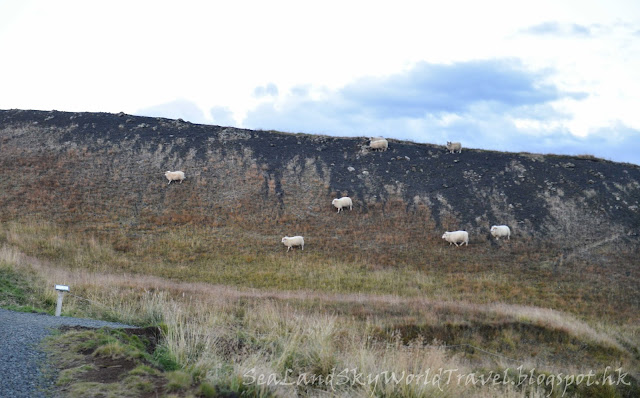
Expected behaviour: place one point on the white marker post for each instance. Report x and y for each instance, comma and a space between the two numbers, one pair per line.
61, 290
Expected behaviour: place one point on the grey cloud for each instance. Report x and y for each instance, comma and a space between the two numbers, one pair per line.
434, 88
265, 91
426, 91
474, 102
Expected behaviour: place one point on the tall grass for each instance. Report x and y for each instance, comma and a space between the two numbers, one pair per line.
230, 335
520, 272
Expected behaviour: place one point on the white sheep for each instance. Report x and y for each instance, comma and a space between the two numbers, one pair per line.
454, 146
174, 176
344, 201
500, 231
378, 143
293, 241
456, 237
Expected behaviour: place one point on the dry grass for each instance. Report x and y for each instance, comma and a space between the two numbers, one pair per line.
236, 312
520, 272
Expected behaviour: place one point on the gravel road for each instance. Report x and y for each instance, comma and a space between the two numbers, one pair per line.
20, 360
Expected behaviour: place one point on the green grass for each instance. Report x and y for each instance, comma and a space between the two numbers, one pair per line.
79, 351
17, 292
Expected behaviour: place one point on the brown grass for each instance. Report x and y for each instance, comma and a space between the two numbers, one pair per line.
234, 330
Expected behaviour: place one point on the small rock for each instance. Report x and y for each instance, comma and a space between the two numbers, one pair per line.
351, 169
366, 173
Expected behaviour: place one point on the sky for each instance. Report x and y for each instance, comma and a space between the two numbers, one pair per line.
537, 76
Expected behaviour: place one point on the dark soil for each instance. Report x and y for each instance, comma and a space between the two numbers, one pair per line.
108, 370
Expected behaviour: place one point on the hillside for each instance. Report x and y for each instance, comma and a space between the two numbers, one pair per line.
106, 167
104, 174
85, 202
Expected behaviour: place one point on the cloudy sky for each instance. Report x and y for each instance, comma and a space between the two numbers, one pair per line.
539, 76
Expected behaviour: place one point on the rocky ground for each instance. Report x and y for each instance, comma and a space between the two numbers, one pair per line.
111, 166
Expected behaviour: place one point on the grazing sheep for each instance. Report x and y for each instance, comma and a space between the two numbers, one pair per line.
174, 176
378, 143
293, 241
500, 231
344, 201
456, 237
454, 146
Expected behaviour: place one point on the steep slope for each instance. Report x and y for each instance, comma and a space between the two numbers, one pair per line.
110, 167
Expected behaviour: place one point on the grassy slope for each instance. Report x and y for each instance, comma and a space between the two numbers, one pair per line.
405, 304
514, 272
